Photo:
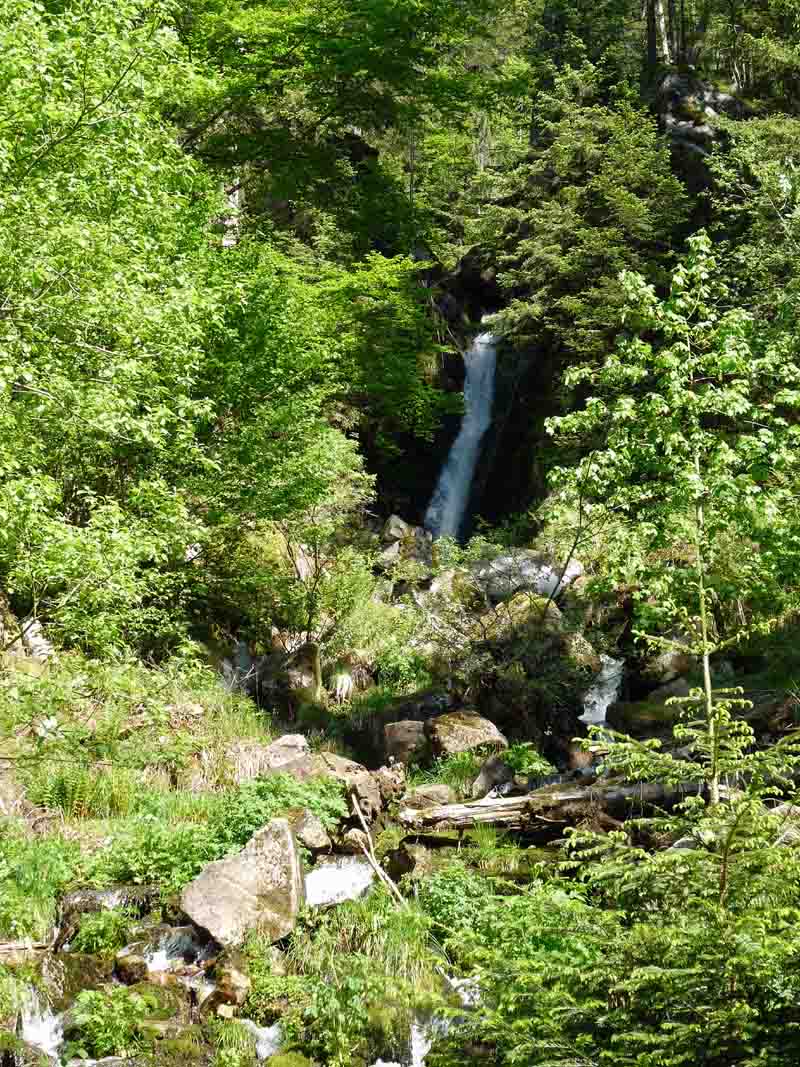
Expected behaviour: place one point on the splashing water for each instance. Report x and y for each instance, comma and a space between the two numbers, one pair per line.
448, 505
41, 1027
604, 691
269, 1039
341, 878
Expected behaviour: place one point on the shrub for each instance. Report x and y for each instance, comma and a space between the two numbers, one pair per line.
102, 932
254, 803
106, 1023
34, 873
458, 771
523, 758
454, 897
150, 852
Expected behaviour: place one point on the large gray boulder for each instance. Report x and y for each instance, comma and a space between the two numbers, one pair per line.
405, 741
462, 731
523, 571
259, 890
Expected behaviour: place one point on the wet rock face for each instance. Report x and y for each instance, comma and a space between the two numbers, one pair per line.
231, 983
260, 889
161, 950
462, 731
523, 571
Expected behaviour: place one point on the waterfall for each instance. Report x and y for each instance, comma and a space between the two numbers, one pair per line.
604, 692
445, 513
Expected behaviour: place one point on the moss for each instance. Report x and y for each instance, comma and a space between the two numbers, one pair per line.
169, 1001
289, 1059
187, 1048
643, 718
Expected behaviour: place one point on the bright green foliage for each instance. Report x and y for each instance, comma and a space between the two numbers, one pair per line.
365, 966
523, 758
34, 873
146, 851
566, 983
593, 198
108, 1021
102, 931
79, 791
454, 898
458, 771
245, 810
696, 408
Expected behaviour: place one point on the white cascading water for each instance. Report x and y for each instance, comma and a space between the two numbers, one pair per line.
337, 879
604, 691
40, 1026
445, 513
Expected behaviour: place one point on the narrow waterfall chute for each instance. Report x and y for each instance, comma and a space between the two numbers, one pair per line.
604, 692
445, 514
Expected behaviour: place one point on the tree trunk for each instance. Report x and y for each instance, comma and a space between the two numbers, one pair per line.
663, 33
652, 37
550, 809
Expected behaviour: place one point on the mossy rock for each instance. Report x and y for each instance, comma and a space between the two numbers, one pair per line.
169, 1001
187, 1047
524, 613
290, 1059
644, 718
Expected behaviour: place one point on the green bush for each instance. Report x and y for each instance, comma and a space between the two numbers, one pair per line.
458, 771
245, 810
34, 873
150, 852
107, 1022
454, 897
523, 758
102, 932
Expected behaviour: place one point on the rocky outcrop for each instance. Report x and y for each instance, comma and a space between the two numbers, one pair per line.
405, 741
391, 782
309, 831
523, 613
406, 543
494, 774
462, 731
355, 777
524, 570
244, 760
260, 889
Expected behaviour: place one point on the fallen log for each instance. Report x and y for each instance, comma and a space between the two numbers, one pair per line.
552, 807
